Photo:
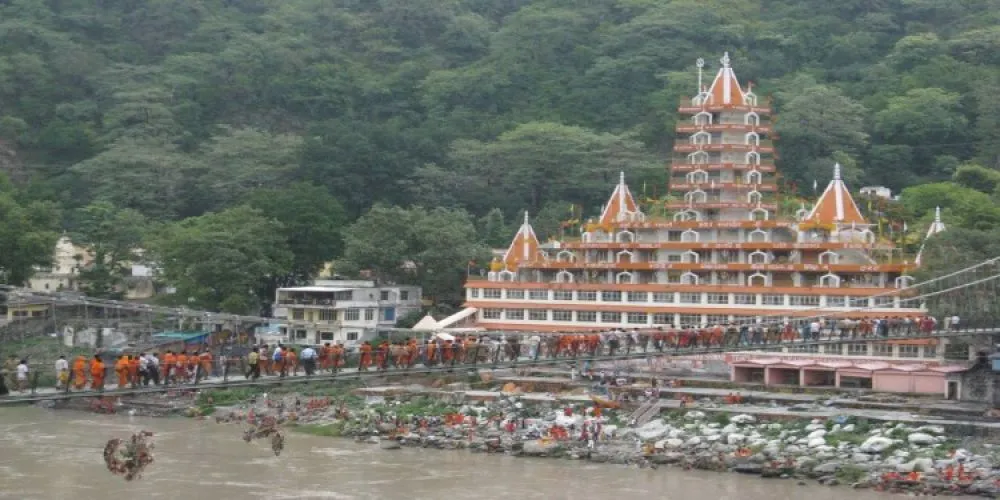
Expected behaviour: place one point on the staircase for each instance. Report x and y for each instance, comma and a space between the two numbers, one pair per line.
646, 412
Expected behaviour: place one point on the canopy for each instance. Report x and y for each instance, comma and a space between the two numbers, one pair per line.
426, 324
444, 336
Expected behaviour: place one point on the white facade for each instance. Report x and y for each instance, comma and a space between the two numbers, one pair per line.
341, 311
67, 259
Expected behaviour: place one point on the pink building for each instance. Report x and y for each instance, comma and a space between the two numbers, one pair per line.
925, 377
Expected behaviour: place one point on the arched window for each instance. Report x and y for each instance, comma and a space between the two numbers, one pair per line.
703, 118
625, 237
690, 236
698, 157
757, 235
506, 276
829, 281
754, 177
701, 137
801, 213
755, 197
697, 177
564, 277
689, 278
624, 256
624, 277
753, 158
690, 257
750, 98
757, 279
828, 257
752, 138
696, 196
565, 256
751, 118
759, 214
759, 257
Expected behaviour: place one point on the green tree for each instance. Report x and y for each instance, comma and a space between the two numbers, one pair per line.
220, 261
431, 248
114, 236
241, 160
27, 235
493, 230
981, 179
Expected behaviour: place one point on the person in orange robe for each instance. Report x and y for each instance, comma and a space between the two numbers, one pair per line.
168, 362
180, 367
324, 357
291, 361
133, 370
121, 369
366, 356
381, 355
412, 350
192, 366
336, 357
431, 354
97, 374
79, 372
206, 364
446, 351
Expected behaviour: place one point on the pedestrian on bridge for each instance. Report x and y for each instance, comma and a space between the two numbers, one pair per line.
22, 375
253, 360
308, 358
62, 372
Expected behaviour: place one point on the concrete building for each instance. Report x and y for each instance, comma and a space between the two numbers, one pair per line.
341, 310
67, 260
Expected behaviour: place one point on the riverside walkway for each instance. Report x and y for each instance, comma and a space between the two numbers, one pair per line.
480, 357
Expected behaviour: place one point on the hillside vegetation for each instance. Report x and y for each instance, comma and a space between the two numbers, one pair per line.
239, 140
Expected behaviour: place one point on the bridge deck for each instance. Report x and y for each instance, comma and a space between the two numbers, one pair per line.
623, 354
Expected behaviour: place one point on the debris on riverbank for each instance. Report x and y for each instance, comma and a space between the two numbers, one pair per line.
886, 456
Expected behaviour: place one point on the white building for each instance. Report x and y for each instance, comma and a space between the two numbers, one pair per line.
877, 192
67, 260
341, 310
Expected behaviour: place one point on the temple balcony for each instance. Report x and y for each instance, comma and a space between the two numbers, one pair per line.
765, 147
723, 186
690, 128
681, 165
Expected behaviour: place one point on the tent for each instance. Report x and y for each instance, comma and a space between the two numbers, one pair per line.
426, 324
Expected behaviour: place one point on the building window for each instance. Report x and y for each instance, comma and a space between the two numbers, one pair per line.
718, 298
773, 300
881, 349
744, 299
298, 314
473, 293
690, 298
491, 313
635, 318
404, 295
611, 317
384, 294
715, 319
835, 301
352, 336
663, 319
538, 294
562, 315
859, 301
909, 351
538, 315
300, 334
325, 336
804, 300
369, 314
609, 296
690, 320
352, 314
562, 295
586, 296
328, 315
804, 348
389, 314
515, 294
586, 316
663, 297
514, 314
638, 296
491, 293
884, 301
858, 349
930, 351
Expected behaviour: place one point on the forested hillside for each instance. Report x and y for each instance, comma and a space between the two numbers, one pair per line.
239, 140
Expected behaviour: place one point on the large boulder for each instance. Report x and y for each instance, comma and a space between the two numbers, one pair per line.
817, 442
818, 433
920, 438
876, 444
743, 419
653, 430
735, 438
540, 448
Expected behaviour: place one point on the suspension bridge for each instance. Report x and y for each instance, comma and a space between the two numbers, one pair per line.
962, 304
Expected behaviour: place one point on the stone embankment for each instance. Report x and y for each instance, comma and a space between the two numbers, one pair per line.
850, 451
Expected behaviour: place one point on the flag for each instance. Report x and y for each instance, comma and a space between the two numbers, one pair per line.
815, 185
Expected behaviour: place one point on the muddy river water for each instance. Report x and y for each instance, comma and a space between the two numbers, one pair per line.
57, 455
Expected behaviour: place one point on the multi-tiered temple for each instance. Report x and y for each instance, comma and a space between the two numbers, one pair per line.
723, 253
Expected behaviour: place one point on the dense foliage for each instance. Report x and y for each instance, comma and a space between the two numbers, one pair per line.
177, 116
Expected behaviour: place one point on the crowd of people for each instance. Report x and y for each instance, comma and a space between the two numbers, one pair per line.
182, 367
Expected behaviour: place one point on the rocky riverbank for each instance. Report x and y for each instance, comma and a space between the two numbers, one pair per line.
841, 451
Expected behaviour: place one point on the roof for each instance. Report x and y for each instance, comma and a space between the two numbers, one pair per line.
620, 204
455, 318
426, 324
725, 89
836, 204
524, 247
313, 289
178, 335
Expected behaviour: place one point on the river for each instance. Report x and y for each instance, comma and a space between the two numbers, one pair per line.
57, 455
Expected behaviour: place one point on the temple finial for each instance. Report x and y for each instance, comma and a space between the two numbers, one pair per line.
621, 178
836, 171
526, 218
937, 215
700, 63
725, 60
